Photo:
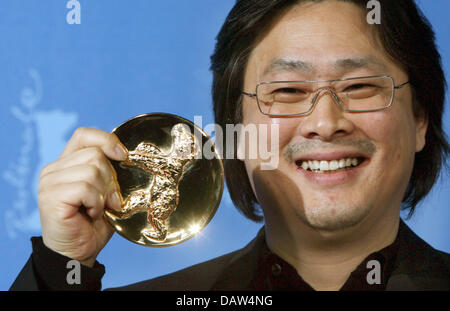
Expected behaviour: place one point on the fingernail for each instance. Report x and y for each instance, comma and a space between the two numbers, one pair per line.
115, 201
121, 152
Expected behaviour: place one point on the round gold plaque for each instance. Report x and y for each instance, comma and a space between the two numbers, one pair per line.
170, 191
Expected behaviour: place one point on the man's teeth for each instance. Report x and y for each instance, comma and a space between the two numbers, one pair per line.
322, 166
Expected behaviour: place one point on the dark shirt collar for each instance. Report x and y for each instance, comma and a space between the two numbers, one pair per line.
273, 273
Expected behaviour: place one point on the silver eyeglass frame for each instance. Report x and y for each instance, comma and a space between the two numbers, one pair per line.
320, 90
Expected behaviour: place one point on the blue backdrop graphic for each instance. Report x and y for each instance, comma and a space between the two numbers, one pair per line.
126, 58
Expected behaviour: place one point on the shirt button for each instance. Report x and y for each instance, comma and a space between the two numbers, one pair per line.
276, 269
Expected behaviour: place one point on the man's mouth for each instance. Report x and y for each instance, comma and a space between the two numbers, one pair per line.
330, 166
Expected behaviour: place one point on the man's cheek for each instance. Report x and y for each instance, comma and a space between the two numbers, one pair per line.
250, 167
286, 131
269, 146
275, 188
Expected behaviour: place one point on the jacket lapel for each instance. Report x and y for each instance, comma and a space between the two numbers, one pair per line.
418, 266
239, 272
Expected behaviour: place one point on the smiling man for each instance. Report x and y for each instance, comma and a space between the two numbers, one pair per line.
355, 124
325, 221
359, 112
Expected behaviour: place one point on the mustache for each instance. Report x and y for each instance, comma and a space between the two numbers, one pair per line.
298, 148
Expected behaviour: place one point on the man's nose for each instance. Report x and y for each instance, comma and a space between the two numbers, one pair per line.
327, 120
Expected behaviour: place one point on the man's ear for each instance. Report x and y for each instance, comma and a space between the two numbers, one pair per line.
421, 131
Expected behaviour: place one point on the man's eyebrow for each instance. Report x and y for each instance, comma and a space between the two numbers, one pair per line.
288, 64
359, 62
296, 65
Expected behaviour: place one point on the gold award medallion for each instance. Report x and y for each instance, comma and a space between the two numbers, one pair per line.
169, 191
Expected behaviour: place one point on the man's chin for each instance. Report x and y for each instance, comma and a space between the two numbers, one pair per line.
334, 218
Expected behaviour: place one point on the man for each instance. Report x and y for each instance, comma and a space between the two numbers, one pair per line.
359, 110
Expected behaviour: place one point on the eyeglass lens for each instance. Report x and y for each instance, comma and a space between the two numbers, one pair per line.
290, 98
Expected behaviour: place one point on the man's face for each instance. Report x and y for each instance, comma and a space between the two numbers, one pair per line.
331, 40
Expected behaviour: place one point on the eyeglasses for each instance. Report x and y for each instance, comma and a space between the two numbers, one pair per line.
293, 98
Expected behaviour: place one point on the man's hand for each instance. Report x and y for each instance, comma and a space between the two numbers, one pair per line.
73, 192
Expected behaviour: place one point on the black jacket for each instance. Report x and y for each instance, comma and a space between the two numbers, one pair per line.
417, 266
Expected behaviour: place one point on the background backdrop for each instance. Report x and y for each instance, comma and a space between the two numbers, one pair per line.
126, 58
